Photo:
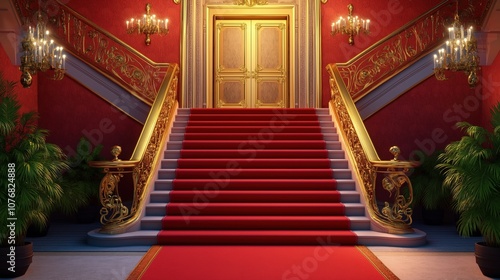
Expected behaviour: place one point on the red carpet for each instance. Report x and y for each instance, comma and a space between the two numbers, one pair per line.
260, 263
254, 177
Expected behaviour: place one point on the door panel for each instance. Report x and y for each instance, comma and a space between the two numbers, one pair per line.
232, 57
250, 63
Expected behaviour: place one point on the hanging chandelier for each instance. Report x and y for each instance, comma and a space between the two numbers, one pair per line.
459, 54
352, 25
147, 25
40, 53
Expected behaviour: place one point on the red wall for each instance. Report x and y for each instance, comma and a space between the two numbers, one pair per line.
69, 111
491, 88
424, 118
27, 96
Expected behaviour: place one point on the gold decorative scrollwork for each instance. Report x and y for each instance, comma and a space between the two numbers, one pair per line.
112, 210
250, 3
393, 182
381, 61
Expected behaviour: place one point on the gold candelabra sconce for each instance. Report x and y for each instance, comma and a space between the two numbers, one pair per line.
148, 25
40, 53
459, 54
352, 25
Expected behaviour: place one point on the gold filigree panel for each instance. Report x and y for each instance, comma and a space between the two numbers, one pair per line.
231, 48
270, 93
374, 66
231, 93
270, 44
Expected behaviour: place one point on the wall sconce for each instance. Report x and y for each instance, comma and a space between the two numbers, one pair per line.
40, 53
459, 54
351, 26
147, 25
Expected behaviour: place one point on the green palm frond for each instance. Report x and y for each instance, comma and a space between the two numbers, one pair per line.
38, 165
8, 115
471, 167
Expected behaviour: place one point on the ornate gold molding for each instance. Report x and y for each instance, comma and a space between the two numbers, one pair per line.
250, 3
177, 1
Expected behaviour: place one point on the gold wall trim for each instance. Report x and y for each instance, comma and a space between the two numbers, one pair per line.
250, 3
393, 215
395, 52
115, 216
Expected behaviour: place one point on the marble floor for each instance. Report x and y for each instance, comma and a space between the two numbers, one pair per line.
63, 255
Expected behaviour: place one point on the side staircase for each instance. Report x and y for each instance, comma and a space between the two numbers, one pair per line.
255, 177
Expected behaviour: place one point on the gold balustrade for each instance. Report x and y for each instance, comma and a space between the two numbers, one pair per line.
116, 217
394, 215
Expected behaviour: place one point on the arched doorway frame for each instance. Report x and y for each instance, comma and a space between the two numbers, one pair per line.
307, 58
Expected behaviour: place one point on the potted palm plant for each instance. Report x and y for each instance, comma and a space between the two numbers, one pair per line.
30, 190
81, 183
428, 191
471, 167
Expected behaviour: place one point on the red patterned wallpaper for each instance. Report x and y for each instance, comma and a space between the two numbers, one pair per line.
28, 97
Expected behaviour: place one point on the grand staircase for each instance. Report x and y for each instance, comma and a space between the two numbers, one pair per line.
255, 177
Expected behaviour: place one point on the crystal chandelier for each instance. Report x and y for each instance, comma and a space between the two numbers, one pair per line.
352, 25
40, 53
459, 54
147, 25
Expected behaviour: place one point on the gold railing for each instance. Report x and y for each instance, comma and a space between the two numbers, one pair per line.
116, 217
394, 215
101, 50
386, 188
395, 52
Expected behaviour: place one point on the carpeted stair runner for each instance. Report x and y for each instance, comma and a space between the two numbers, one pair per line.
257, 176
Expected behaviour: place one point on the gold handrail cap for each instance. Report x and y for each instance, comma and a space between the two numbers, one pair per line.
114, 164
395, 163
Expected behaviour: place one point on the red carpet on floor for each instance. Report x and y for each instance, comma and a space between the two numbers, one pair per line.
254, 177
260, 263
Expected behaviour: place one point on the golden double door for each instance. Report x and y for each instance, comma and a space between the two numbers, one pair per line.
251, 63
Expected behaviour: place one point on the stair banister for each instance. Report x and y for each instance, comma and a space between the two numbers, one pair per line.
116, 217
372, 173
